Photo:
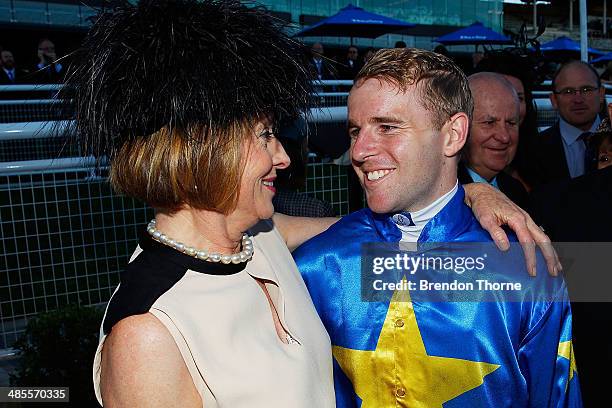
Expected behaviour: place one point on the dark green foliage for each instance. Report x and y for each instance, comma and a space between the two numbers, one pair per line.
57, 349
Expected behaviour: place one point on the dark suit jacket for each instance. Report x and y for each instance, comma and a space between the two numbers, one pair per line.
507, 185
348, 72
48, 75
327, 71
577, 210
580, 210
545, 158
19, 77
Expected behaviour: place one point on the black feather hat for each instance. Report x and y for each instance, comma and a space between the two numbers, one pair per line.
181, 64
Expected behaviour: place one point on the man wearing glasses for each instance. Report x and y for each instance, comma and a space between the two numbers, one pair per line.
561, 152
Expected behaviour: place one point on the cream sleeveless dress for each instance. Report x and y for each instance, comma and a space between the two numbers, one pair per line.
223, 327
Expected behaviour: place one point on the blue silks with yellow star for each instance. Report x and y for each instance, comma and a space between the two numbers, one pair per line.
412, 353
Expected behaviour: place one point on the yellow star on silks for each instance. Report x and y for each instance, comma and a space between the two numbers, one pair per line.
566, 350
400, 373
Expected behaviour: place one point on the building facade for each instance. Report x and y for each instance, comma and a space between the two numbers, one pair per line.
433, 17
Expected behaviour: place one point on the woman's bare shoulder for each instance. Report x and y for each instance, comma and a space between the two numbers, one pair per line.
142, 366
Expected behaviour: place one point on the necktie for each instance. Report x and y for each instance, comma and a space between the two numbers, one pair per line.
590, 156
11, 76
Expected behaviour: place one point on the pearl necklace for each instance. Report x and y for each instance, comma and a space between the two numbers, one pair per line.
243, 256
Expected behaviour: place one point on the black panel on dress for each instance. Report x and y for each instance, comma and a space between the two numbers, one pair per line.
154, 271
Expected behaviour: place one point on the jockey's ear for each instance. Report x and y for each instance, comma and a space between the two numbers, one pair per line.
455, 132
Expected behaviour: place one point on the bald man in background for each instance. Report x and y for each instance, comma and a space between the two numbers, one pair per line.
493, 138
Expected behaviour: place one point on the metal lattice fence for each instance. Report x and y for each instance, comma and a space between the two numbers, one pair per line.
65, 236
547, 118
35, 149
329, 99
33, 110
329, 182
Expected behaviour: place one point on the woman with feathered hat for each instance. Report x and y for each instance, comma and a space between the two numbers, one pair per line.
182, 97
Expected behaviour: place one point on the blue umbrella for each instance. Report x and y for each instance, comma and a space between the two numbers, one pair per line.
476, 34
604, 58
354, 21
565, 44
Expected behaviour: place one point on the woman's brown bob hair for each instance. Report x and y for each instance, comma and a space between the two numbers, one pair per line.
169, 169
